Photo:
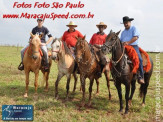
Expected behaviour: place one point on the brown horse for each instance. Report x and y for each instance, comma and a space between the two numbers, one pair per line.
88, 67
122, 70
32, 62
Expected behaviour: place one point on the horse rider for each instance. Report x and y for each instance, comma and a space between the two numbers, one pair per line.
39, 29
97, 40
70, 35
130, 36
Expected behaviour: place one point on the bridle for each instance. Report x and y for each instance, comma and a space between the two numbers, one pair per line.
111, 47
33, 52
61, 46
87, 62
116, 62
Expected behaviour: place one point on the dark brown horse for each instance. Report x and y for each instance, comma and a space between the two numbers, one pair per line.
88, 67
122, 71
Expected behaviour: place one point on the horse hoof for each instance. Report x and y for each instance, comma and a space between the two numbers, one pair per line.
73, 92
126, 112
143, 105
56, 97
35, 94
109, 98
121, 110
82, 104
130, 103
97, 93
89, 104
25, 95
66, 99
45, 90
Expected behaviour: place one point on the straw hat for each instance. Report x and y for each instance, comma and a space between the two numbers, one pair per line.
71, 24
102, 23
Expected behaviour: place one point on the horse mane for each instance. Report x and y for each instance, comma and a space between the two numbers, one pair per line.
67, 50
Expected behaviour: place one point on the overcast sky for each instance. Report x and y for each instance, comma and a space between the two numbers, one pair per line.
147, 14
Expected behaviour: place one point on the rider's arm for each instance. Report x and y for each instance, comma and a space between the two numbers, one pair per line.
49, 35
132, 40
135, 34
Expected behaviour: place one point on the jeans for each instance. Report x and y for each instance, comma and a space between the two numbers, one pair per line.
140, 60
44, 50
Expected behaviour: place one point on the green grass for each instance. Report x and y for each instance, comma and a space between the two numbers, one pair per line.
47, 109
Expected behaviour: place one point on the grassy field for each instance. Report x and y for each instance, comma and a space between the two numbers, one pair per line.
47, 109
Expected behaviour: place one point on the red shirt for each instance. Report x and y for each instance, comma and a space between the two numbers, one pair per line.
70, 37
98, 39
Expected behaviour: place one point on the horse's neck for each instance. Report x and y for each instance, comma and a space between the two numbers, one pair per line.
61, 54
88, 53
117, 52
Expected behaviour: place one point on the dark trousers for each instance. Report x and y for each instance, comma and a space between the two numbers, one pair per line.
45, 57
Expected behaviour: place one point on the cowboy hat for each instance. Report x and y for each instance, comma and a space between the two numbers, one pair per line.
71, 24
102, 24
126, 19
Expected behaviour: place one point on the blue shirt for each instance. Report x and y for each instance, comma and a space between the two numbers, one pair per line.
127, 35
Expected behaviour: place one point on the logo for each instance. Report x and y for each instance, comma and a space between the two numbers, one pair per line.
17, 112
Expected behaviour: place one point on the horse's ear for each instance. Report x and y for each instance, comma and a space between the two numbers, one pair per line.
84, 37
41, 35
111, 31
31, 35
118, 32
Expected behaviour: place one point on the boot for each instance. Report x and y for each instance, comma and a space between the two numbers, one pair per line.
21, 66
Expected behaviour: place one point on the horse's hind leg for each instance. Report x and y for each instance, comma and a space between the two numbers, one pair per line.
108, 82
26, 82
56, 84
36, 81
118, 86
76, 79
90, 91
127, 85
97, 83
68, 85
145, 87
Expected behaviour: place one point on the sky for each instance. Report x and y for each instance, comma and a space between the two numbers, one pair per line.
147, 14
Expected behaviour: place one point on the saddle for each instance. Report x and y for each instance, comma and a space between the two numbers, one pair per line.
134, 59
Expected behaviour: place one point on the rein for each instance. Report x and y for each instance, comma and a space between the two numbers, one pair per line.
87, 61
116, 62
33, 52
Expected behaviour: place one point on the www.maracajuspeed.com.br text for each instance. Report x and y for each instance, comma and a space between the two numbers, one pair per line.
48, 16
